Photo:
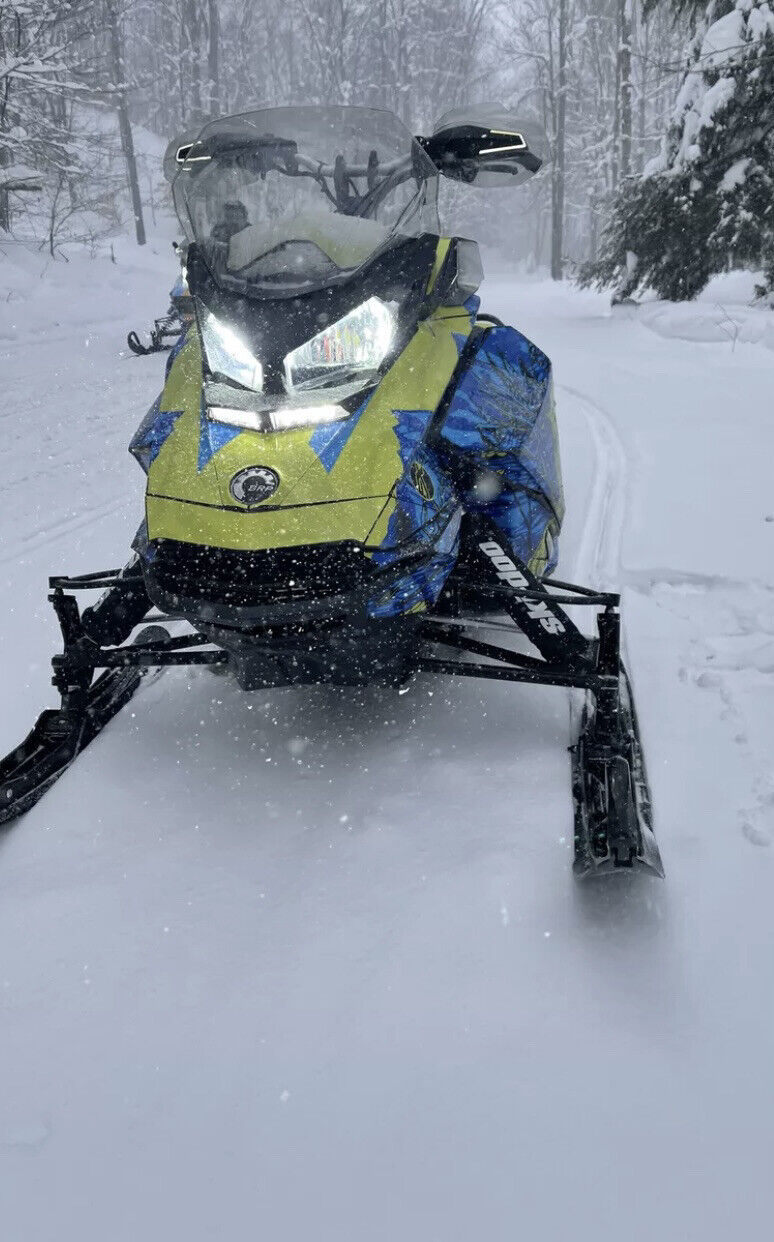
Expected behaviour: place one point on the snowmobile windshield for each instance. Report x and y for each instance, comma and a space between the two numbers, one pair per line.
286, 200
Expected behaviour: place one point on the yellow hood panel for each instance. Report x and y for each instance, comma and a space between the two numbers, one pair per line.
355, 463
262, 528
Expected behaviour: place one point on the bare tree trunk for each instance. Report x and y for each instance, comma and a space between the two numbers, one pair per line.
643, 83
290, 55
401, 75
534, 260
5, 205
382, 35
213, 56
124, 124
558, 184
7, 51
616, 146
593, 226
191, 42
625, 80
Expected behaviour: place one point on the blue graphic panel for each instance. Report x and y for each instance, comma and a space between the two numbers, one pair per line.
501, 418
471, 306
502, 415
212, 436
175, 350
423, 583
154, 430
425, 521
329, 440
501, 422
412, 511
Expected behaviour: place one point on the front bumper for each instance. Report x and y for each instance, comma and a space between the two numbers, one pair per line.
242, 590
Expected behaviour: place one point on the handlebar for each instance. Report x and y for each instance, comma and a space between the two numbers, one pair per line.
353, 170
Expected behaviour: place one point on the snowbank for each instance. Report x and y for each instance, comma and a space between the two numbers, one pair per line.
110, 290
722, 312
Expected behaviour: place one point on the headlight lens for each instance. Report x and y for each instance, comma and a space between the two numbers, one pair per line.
334, 364
346, 355
228, 355
282, 419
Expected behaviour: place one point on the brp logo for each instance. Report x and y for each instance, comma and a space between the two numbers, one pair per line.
254, 484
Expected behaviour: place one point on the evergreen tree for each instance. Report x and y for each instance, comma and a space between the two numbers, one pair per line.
706, 204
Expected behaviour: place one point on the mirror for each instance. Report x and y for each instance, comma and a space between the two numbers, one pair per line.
485, 145
172, 156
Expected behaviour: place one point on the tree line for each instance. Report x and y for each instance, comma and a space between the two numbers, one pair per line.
82, 80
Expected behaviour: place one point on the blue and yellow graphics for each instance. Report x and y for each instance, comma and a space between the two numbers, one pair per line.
386, 477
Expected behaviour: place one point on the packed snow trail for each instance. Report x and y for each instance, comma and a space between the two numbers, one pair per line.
311, 964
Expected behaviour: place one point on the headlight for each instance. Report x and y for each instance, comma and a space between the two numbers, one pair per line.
228, 355
346, 355
285, 418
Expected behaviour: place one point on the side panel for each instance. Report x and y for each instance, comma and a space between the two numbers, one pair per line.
502, 423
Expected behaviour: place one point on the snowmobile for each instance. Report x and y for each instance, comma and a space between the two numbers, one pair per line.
352, 472
167, 329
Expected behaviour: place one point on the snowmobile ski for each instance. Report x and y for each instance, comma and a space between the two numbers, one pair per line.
613, 811
163, 334
166, 330
58, 736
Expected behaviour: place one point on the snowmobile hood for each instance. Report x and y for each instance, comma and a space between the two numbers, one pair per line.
314, 484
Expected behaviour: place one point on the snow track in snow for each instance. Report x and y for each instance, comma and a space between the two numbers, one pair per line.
726, 625
598, 558
44, 537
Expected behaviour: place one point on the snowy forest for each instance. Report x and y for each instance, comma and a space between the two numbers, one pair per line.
659, 115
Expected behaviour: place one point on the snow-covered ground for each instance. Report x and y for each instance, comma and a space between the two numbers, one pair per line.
726, 312
311, 964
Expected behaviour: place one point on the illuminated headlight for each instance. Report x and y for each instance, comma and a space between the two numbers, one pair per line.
282, 419
228, 355
345, 355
